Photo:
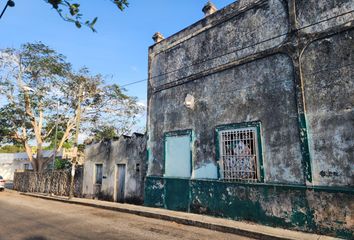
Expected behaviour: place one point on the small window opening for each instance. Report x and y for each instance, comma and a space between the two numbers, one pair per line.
26, 166
98, 175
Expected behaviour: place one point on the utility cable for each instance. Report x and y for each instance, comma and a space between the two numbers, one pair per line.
234, 51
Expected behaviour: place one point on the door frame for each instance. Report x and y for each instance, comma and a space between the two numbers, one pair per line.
179, 133
116, 179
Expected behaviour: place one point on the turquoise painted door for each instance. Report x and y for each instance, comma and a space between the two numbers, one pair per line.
178, 169
178, 156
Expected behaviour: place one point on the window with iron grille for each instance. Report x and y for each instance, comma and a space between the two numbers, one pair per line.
239, 154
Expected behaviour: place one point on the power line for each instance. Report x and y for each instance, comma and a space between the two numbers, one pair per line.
200, 62
197, 63
235, 51
132, 83
247, 33
252, 45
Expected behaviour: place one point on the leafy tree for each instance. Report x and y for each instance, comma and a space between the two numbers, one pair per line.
54, 138
69, 11
61, 164
27, 77
11, 149
35, 79
104, 133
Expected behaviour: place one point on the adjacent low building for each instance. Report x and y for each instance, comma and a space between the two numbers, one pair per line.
251, 112
115, 170
12, 162
19, 162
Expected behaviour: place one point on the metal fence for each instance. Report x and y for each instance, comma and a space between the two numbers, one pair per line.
52, 182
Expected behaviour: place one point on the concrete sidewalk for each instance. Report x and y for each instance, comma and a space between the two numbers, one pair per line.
218, 224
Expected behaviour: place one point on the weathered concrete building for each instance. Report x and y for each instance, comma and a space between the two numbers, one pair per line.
251, 115
115, 170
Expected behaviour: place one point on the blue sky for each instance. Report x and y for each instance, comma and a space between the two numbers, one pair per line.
118, 50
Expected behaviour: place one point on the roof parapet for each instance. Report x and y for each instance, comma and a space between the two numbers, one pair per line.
209, 8
158, 37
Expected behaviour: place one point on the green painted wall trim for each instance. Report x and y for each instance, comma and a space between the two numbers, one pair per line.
177, 194
346, 190
147, 155
178, 133
217, 152
305, 152
154, 192
254, 124
288, 206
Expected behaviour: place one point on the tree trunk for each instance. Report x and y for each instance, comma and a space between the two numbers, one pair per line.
76, 150
35, 164
40, 159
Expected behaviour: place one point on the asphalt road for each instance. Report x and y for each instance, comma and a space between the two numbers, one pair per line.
27, 218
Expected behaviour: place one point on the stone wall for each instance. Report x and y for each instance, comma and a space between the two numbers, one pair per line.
57, 182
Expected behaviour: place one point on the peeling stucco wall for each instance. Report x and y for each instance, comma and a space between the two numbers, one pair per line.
328, 73
247, 93
214, 37
287, 64
311, 14
319, 210
130, 151
206, 171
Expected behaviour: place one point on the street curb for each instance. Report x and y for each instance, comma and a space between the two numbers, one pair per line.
184, 221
